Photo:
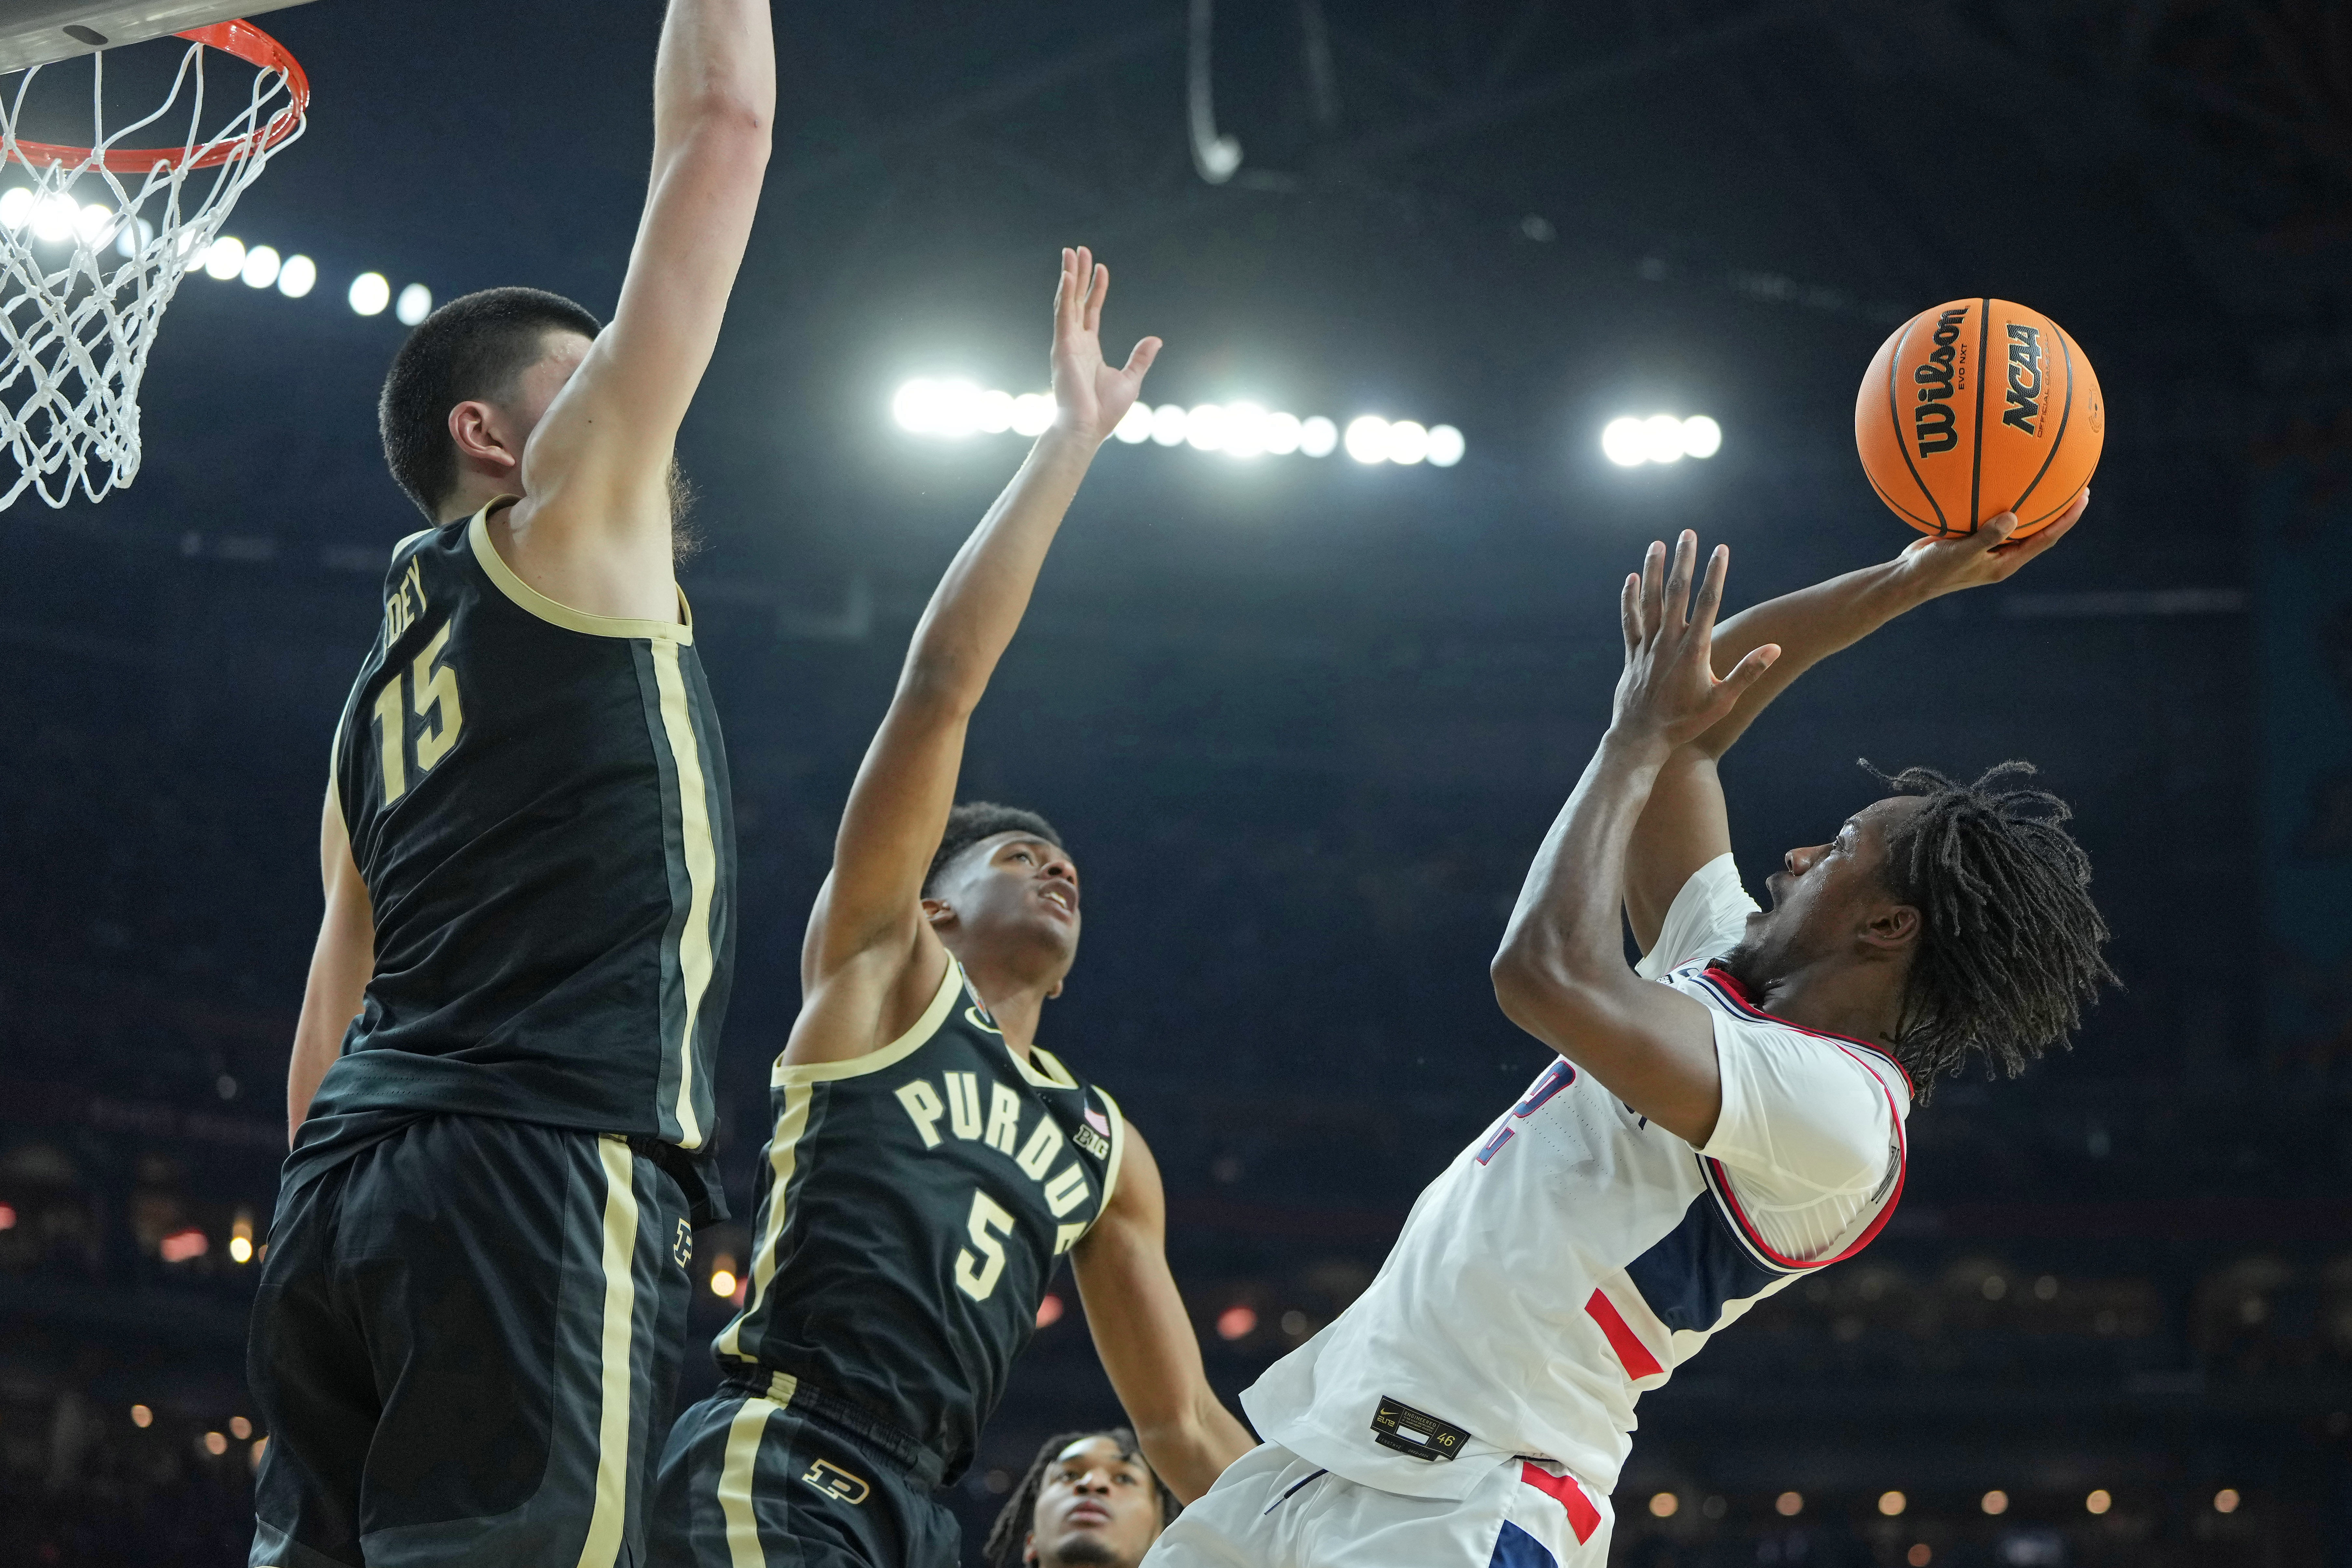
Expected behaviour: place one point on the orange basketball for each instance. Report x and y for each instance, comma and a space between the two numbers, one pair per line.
1974, 408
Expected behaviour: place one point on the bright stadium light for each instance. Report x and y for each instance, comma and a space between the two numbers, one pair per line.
224, 261
956, 414
1245, 431
1405, 441
297, 276
53, 216
370, 294
1629, 442
261, 266
1031, 413
1368, 439
1621, 441
1168, 423
1445, 446
1662, 438
995, 415
94, 223
1284, 432
1204, 426
1136, 427
416, 304
1317, 436
15, 209
915, 405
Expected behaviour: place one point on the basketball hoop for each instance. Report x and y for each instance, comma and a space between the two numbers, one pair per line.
100, 244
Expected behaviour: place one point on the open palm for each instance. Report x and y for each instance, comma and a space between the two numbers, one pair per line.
1090, 397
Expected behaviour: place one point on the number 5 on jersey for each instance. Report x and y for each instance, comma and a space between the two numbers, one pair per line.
432, 689
989, 1221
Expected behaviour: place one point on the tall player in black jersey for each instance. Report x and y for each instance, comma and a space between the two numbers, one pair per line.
473, 1301
930, 1161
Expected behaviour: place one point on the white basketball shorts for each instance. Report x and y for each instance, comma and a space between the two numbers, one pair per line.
1274, 1509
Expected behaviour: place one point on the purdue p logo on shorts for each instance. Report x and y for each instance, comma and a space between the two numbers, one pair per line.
834, 1481
683, 1248
1396, 1424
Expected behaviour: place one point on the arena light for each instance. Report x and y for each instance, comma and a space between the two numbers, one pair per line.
1243, 429
722, 1282
1368, 439
1995, 1502
215, 1444
370, 292
1236, 1323
2226, 1501
223, 260
1136, 425
1788, 1505
239, 1427
1629, 442
297, 276
2099, 1501
1049, 1310
1664, 1505
1317, 436
142, 1417
262, 266
1892, 1504
183, 1245
416, 304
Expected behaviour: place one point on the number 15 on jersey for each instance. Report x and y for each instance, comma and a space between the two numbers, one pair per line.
430, 688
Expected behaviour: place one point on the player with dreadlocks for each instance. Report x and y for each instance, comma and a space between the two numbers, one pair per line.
1719, 1121
1090, 1499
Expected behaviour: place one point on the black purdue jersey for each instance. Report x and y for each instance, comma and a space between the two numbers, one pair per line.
537, 801
913, 1203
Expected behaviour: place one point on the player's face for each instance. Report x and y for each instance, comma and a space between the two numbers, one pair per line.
1017, 895
1094, 1507
1823, 897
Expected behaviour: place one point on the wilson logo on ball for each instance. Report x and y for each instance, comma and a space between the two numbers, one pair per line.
1974, 409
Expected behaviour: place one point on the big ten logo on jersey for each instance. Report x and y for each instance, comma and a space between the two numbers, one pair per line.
1555, 1078
1940, 375
979, 1267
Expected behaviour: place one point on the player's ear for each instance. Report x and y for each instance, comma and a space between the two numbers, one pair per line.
937, 913
1029, 1549
1056, 990
482, 438
1893, 928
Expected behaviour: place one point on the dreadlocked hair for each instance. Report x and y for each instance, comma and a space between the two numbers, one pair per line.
973, 820
2008, 954
1002, 1548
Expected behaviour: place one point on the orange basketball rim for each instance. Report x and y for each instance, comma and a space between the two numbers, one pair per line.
1975, 407
240, 39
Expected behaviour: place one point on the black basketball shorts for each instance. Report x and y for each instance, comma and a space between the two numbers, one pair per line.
748, 1483
465, 1345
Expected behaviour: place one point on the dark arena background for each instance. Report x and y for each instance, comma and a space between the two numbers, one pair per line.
1304, 720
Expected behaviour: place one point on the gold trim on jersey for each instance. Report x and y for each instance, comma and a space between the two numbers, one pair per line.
607, 1518
420, 533
951, 986
736, 1474
534, 603
784, 1153
1055, 1076
694, 955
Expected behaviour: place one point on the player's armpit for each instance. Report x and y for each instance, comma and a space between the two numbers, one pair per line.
341, 964
1145, 1337
1650, 1046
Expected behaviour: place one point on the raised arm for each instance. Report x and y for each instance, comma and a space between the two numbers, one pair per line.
870, 963
1561, 974
593, 532
1685, 825
1145, 1336
341, 964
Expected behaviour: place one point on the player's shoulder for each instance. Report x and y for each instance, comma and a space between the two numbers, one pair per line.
1719, 989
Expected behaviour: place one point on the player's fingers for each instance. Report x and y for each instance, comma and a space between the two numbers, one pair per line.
1678, 581
1140, 360
1710, 589
1994, 534
2033, 544
1066, 291
1629, 610
1747, 672
1654, 579
1097, 290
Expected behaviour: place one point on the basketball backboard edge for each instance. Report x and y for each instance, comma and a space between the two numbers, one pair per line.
38, 32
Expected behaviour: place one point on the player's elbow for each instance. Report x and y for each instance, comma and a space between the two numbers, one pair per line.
1538, 987
725, 127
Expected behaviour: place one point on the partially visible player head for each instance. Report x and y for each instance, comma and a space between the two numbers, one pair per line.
1003, 893
1969, 902
1088, 1498
469, 387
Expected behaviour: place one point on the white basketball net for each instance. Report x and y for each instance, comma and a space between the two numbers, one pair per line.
90, 256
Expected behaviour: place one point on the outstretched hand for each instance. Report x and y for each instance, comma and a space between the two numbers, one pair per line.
1938, 567
1668, 694
1090, 397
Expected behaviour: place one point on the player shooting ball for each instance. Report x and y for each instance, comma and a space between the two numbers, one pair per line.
1721, 1121
930, 1162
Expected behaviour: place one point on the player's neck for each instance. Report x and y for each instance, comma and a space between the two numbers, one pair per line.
1862, 1002
1016, 1003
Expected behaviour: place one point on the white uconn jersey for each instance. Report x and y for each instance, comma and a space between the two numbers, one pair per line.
1575, 1255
